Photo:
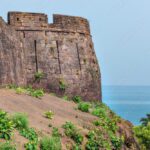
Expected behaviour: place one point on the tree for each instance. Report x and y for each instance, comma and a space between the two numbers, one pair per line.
146, 120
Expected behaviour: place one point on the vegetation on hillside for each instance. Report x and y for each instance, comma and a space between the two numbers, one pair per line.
19, 122
103, 133
52, 142
142, 133
38, 93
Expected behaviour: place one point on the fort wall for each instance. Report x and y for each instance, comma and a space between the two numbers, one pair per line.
63, 51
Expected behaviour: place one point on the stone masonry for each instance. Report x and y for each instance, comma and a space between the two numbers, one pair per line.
63, 51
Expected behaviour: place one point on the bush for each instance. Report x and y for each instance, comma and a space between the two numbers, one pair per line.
11, 86
32, 136
83, 106
106, 120
39, 75
29, 133
37, 93
7, 146
77, 99
31, 145
49, 114
99, 112
96, 141
6, 126
20, 120
76, 147
97, 122
20, 90
116, 141
62, 85
143, 135
51, 143
55, 132
72, 132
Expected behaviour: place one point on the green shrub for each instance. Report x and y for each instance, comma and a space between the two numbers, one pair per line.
116, 141
96, 141
6, 126
29, 133
32, 136
49, 114
37, 93
84, 106
20, 90
39, 75
97, 122
106, 120
11, 86
20, 120
77, 99
55, 132
7, 146
101, 105
31, 145
62, 85
72, 132
143, 135
76, 147
99, 112
51, 143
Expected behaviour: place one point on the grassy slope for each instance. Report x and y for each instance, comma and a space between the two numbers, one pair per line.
63, 111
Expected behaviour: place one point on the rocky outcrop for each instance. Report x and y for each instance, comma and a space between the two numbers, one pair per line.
63, 51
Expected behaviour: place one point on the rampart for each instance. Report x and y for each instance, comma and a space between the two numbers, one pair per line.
63, 51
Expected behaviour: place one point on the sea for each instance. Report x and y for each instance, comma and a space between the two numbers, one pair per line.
130, 102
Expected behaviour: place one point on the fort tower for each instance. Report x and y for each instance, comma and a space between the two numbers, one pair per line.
63, 51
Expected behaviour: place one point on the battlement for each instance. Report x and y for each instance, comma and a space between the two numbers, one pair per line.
38, 21
22, 19
71, 22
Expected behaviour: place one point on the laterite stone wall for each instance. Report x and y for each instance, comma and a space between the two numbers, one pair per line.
63, 51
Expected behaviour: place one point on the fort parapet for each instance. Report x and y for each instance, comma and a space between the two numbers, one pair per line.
63, 51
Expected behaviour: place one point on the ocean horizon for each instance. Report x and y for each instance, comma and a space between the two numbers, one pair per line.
130, 102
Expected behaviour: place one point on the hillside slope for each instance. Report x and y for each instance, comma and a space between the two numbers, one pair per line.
63, 111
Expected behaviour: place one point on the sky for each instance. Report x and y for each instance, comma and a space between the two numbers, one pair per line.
120, 30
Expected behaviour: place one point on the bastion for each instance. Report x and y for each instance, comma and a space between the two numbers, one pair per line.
62, 51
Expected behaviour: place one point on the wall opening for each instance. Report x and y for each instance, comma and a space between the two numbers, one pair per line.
58, 56
36, 58
78, 55
24, 34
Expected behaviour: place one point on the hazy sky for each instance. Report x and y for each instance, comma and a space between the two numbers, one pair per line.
120, 29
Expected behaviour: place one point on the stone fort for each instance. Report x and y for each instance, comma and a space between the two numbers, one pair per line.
63, 51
